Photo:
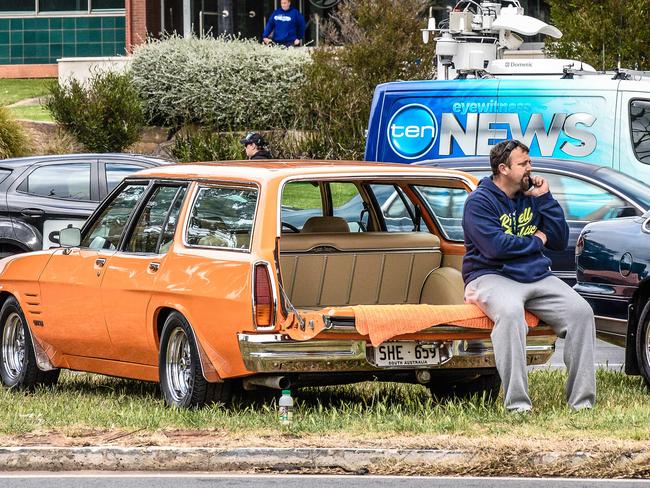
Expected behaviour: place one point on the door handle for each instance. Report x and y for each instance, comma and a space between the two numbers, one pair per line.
100, 262
154, 267
33, 213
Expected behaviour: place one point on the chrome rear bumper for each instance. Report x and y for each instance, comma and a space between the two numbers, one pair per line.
276, 353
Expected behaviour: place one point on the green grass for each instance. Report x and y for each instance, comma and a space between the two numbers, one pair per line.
304, 195
13, 90
366, 410
31, 112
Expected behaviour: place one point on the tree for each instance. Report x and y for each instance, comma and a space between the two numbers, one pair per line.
602, 33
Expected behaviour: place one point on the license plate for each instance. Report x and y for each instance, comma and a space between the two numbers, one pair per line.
408, 354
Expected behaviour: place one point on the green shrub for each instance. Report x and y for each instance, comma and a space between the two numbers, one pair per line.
207, 145
13, 141
379, 41
104, 113
227, 84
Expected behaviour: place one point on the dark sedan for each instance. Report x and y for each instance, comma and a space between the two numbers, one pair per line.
41, 195
586, 193
613, 272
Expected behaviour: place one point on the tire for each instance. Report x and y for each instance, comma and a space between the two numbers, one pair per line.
18, 369
181, 378
484, 385
643, 344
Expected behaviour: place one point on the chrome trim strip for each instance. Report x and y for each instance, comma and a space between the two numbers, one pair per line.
604, 296
276, 353
645, 227
612, 319
274, 292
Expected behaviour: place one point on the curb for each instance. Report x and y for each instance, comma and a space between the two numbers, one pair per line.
348, 460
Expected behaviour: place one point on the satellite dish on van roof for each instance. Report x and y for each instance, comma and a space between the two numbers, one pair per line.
523, 24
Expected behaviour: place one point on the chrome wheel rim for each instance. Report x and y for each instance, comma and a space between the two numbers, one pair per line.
13, 347
646, 344
179, 365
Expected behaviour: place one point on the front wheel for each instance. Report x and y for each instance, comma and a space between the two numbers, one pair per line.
643, 344
18, 368
181, 378
483, 385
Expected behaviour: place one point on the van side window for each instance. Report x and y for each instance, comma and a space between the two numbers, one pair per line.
640, 127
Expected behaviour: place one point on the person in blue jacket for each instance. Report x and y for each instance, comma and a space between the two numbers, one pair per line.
286, 26
508, 221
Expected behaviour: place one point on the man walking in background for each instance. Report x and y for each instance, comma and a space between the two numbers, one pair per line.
508, 222
286, 26
256, 146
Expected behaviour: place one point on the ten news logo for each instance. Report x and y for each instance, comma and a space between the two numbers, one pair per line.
412, 131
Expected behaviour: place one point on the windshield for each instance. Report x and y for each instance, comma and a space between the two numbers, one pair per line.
632, 187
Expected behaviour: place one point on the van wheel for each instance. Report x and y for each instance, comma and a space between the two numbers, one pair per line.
487, 385
643, 344
181, 378
18, 369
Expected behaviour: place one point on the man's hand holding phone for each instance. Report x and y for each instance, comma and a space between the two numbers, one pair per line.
537, 186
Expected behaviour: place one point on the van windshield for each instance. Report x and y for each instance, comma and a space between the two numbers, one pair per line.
632, 187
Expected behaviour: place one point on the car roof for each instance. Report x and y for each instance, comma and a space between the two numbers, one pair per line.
262, 170
12, 163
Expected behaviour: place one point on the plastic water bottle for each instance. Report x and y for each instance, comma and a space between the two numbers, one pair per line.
285, 407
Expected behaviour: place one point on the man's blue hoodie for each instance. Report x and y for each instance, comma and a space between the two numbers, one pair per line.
286, 25
499, 233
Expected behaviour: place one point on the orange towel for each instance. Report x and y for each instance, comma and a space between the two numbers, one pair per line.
382, 322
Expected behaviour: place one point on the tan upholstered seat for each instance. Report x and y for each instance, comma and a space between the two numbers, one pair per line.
325, 225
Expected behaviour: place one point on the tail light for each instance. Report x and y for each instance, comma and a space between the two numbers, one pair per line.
580, 245
263, 302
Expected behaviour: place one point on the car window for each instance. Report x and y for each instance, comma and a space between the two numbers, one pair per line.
640, 129
583, 201
116, 172
396, 208
300, 200
148, 231
66, 181
172, 222
446, 206
222, 217
106, 230
4, 173
348, 204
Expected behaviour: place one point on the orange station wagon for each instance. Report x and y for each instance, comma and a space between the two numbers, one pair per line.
258, 274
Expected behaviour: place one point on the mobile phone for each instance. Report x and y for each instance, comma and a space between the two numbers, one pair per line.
530, 182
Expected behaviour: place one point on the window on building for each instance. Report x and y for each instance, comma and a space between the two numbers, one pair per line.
107, 4
17, 5
63, 5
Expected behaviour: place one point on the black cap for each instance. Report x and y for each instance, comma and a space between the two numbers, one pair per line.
253, 138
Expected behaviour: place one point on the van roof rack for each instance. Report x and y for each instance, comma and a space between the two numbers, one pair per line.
568, 72
630, 74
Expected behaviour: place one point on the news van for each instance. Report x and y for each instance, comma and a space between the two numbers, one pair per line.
484, 93
596, 120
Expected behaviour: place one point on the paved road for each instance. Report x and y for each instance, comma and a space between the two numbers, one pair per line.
607, 356
101, 480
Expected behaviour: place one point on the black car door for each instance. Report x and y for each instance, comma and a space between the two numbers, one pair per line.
50, 196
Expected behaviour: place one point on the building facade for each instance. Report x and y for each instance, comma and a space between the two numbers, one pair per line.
35, 33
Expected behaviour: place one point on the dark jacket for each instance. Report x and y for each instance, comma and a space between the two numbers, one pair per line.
499, 233
286, 25
262, 154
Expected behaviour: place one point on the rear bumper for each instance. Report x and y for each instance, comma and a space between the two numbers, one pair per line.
275, 353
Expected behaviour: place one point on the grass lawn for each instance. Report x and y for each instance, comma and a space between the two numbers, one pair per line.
31, 112
398, 413
13, 90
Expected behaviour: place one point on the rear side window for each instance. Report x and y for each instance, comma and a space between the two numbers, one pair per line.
640, 128
446, 205
116, 172
66, 181
222, 217
300, 201
396, 208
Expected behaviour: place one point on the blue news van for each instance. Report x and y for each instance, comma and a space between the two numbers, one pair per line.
594, 119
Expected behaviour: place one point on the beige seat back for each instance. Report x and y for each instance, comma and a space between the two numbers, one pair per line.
325, 225
336, 269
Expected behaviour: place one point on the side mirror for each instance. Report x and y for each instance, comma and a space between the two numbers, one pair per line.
70, 237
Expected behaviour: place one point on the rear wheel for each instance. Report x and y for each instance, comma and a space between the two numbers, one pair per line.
487, 385
643, 344
181, 377
18, 369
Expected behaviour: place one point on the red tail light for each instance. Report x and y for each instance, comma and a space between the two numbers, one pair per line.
263, 297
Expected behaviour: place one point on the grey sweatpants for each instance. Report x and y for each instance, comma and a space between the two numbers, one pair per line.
556, 304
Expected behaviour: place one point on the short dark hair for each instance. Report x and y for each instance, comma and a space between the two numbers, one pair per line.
500, 153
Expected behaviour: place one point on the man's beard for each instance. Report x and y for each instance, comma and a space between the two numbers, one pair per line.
525, 183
